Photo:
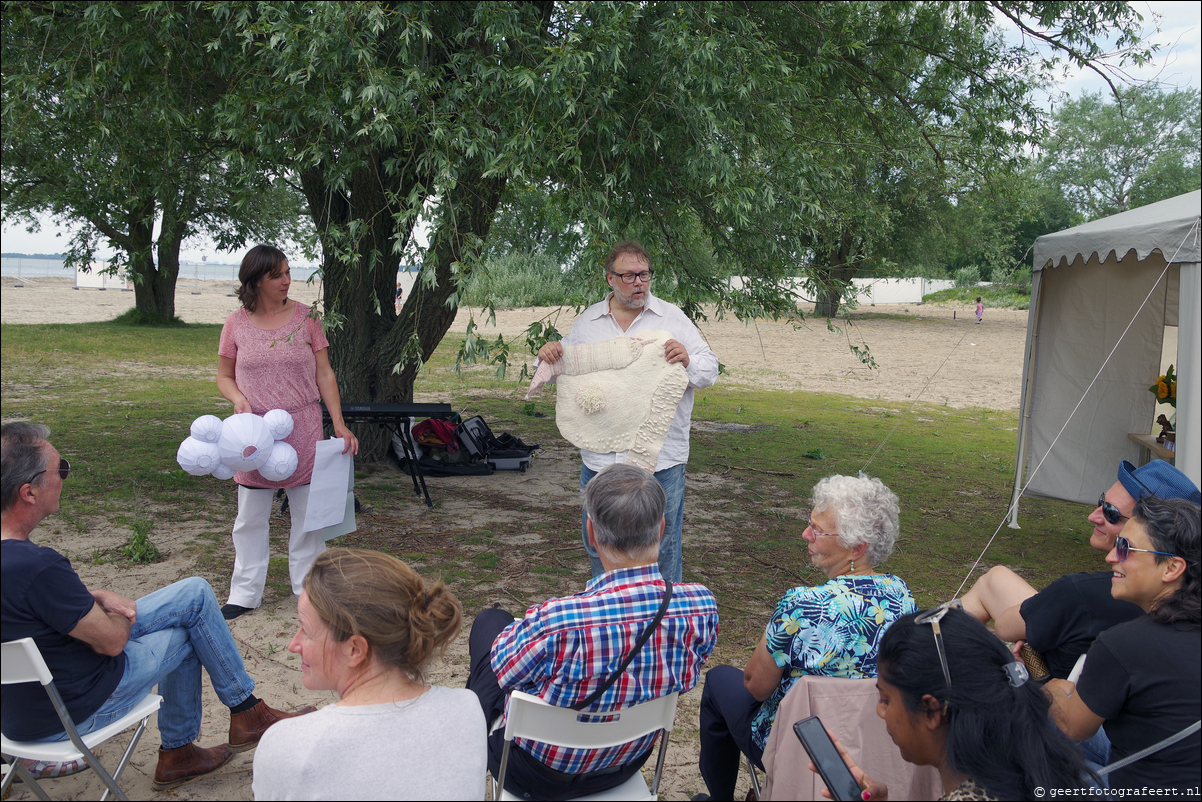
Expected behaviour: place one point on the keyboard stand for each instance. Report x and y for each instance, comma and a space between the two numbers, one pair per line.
397, 419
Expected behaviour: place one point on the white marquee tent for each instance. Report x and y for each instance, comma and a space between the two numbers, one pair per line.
1115, 281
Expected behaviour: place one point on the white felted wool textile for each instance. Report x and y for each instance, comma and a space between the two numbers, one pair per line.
281, 464
245, 442
619, 395
279, 422
207, 428
198, 457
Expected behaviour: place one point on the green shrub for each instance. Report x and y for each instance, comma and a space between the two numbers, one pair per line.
968, 276
140, 549
517, 279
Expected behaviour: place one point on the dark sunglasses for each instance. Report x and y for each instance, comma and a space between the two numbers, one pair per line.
64, 470
1123, 549
1109, 511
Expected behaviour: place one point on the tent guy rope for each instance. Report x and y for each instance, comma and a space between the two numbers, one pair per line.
1084, 395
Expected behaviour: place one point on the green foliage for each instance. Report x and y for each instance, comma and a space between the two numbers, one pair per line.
995, 296
1109, 156
517, 279
109, 125
140, 549
968, 276
729, 137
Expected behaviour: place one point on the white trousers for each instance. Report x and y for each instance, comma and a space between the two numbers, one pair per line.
252, 547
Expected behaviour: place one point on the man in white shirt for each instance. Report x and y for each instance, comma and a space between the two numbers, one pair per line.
630, 308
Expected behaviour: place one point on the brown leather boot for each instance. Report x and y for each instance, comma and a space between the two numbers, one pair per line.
177, 766
247, 727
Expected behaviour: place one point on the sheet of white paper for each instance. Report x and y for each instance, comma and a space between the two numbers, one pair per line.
327, 488
348, 524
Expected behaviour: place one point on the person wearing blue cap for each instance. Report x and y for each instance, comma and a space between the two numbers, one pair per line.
1062, 620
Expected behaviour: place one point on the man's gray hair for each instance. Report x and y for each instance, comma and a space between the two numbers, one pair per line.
22, 454
626, 505
865, 512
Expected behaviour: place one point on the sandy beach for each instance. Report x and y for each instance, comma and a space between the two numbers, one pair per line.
927, 351
935, 351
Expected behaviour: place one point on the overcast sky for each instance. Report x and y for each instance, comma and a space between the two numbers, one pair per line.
1177, 65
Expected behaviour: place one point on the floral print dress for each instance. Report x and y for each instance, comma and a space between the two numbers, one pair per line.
833, 630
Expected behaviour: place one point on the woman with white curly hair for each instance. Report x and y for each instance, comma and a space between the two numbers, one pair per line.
833, 629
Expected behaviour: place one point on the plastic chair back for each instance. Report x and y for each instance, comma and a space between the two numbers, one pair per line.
20, 661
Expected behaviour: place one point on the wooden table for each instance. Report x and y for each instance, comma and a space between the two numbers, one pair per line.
1149, 449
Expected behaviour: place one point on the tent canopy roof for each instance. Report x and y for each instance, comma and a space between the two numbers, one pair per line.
1164, 226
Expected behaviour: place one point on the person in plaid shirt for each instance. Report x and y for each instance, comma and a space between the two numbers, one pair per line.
564, 649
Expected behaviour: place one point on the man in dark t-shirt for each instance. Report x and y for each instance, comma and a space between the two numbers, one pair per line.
107, 652
1062, 620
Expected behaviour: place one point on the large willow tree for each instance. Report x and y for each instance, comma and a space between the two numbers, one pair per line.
772, 137
109, 125
771, 128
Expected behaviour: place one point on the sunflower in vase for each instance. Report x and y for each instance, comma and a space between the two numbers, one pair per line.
1165, 391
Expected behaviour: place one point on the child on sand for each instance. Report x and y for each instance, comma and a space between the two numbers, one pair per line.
980, 309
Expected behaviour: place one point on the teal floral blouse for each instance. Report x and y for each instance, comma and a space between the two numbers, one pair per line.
833, 630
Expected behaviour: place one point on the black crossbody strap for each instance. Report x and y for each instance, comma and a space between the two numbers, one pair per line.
638, 646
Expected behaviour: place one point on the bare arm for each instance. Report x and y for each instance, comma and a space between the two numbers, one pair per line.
106, 632
228, 386
327, 385
762, 675
1071, 714
116, 603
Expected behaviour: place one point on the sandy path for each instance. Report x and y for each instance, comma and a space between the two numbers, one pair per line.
977, 365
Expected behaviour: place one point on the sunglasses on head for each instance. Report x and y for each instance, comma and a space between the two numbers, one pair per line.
64, 470
1109, 511
933, 616
1123, 549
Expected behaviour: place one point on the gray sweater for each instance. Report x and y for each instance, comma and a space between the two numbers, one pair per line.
431, 747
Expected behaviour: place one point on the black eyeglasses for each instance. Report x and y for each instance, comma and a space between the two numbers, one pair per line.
64, 470
628, 278
933, 616
1109, 511
1123, 549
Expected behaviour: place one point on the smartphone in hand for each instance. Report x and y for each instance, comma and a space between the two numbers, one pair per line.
826, 758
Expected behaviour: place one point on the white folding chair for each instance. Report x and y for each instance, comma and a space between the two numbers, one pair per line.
531, 717
22, 662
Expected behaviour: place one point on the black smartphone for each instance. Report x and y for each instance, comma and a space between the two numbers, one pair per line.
826, 758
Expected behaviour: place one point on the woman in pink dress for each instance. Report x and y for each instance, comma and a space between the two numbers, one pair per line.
273, 355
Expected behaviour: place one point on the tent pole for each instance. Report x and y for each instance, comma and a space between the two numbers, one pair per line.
1024, 409
1189, 368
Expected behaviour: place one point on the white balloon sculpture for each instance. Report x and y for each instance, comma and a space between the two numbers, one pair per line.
243, 442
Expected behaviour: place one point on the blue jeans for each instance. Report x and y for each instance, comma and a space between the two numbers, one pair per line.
671, 559
179, 628
1097, 752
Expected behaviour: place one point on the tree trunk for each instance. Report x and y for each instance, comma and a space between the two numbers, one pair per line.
375, 353
836, 272
154, 298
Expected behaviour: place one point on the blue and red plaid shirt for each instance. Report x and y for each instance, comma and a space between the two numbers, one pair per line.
564, 649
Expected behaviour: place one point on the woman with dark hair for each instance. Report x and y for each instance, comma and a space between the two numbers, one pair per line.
953, 697
274, 355
1143, 679
368, 623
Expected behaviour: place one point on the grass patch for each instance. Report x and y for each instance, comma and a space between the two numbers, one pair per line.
120, 398
996, 296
